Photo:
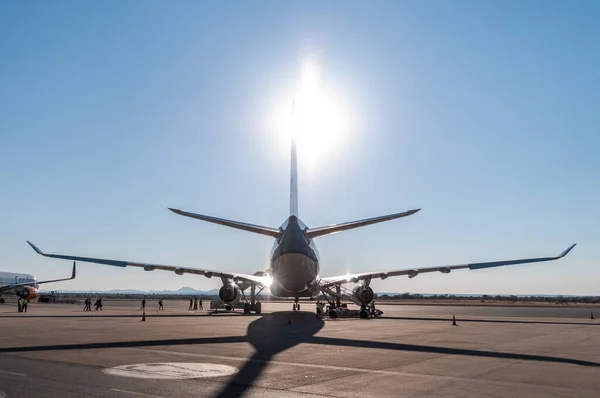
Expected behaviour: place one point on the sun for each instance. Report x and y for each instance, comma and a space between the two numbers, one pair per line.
314, 112
316, 120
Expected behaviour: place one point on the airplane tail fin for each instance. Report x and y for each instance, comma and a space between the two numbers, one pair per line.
294, 168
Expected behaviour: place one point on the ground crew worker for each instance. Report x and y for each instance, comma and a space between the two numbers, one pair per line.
200, 305
373, 311
20, 304
25, 301
191, 304
319, 309
195, 304
160, 305
143, 307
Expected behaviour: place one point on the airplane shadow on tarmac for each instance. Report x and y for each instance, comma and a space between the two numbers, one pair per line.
271, 334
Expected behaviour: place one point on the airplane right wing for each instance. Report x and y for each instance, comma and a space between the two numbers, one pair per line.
258, 279
445, 269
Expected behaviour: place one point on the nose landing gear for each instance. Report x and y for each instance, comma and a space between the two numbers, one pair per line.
296, 306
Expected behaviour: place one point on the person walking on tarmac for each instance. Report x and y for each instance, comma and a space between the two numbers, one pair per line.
25, 301
160, 305
20, 304
191, 304
143, 307
195, 304
319, 309
200, 305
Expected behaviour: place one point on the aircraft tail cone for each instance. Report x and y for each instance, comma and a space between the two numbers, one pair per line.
454, 320
591, 315
144, 316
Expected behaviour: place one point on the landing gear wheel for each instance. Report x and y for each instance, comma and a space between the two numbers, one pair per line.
294, 307
247, 308
257, 307
298, 307
228, 308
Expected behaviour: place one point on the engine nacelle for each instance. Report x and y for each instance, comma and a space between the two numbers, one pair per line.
230, 294
27, 292
363, 295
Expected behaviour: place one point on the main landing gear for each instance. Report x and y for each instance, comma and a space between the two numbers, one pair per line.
249, 307
296, 306
253, 304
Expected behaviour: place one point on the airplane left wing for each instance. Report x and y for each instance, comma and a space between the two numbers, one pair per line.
260, 280
445, 269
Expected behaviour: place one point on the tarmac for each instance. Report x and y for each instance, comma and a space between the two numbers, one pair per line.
57, 350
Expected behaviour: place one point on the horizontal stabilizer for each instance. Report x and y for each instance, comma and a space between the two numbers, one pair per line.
331, 229
275, 233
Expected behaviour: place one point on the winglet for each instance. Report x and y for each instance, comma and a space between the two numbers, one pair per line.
567, 251
74, 271
38, 251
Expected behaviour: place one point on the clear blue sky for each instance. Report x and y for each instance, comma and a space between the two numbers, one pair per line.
485, 114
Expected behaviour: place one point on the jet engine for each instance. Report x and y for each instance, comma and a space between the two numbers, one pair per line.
363, 295
230, 294
27, 292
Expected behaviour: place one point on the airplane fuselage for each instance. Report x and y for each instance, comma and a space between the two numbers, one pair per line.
294, 262
13, 278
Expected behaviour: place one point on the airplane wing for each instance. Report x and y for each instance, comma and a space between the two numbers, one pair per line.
331, 229
261, 280
18, 285
445, 269
73, 275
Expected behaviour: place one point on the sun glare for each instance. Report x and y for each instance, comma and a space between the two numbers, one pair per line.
316, 120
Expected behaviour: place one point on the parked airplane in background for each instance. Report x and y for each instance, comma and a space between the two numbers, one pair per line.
294, 270
24, 285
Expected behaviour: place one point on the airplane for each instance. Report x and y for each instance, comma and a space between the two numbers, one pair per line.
295, 265
25, 285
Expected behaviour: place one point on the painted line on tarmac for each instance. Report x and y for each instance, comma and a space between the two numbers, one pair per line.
135, 393
13, 373
366, 371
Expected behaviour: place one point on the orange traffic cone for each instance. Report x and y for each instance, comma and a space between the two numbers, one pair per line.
454, 320
144, 316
